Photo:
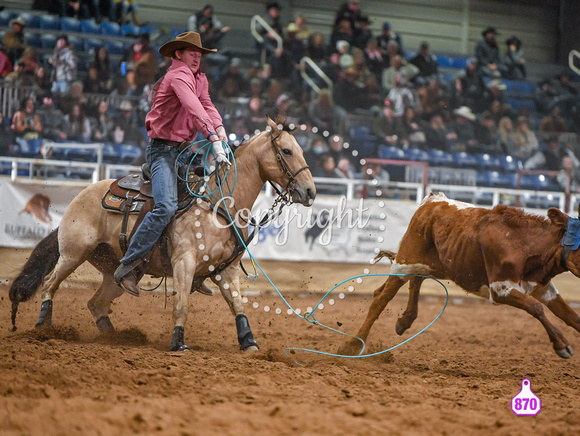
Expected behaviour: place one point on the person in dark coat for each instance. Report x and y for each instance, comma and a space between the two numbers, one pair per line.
488, 56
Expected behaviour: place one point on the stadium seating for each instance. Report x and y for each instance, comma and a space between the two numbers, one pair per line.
32, 21
76, 43
49, 22
440, 158
363, 141
460, 63
130, 30
48, 41
391, 152
464, 160
90, 26
33, 39
70, 24
115, 47
487, 162
445, 61
508, 163
416, 154
127, 153
110, 28
92, 44
5, 17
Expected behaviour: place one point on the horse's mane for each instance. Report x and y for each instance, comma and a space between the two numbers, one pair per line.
281, 121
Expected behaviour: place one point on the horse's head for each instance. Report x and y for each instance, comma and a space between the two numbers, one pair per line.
282, 162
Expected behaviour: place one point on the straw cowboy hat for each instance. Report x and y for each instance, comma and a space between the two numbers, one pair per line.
184, 40
18, 20
465, 112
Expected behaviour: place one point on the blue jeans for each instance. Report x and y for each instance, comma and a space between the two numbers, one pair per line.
161, 159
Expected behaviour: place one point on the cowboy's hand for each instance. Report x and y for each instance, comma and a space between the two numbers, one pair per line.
219, 153
221, 132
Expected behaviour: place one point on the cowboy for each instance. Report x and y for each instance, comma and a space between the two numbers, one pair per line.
14, 41
181, 107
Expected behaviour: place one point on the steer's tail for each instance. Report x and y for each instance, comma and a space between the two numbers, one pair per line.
41, 262
385, 253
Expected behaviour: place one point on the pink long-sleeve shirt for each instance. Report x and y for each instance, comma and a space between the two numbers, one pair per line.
182, 106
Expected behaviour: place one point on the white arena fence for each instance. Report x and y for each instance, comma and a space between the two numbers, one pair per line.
344, 227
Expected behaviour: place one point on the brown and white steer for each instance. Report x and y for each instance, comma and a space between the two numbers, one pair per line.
502, 254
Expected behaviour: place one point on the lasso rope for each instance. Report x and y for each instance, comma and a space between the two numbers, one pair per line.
309, 316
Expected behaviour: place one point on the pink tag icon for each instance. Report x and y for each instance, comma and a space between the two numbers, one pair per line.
526, 402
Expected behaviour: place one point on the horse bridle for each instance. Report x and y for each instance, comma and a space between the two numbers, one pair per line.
285, 167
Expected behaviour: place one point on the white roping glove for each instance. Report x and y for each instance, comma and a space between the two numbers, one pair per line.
220, 154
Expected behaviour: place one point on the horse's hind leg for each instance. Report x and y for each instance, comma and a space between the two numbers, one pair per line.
100, 304
383, 295
64, 267
106, 262
410, 314
229, 284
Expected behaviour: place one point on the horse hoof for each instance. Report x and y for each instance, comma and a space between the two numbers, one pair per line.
180, 347
565, 354
250, 349
104, 325
349, 349
400, 329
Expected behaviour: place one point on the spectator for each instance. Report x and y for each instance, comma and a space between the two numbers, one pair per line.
102, 125
426, 63
514, 59
349, 11
414, 129
487, 54
550, 158
53, 121
507, 136
526, 141
304, 135
469, 87
141, 65
398, 67
326, 115
544, 95
349, 94
569, 177
64, 66
295, 51
387, 36
14, 41
5, 64
316, 49
28, 72
486, 134
553, 122
463, 127
390, 129
74, 96
79, 125
102, 66
318, 149
206, 14
364, 33
6, 137
345, 168
327, 168
438, 136
400, 96
432, 98
374, 58
125, 131
273, 19
304, 33
26, 123
345, 58
255, 115
337, 150
125, 7
375, 171
342, 33
374, 96
234, 74
563, 87
211, 37
495, 91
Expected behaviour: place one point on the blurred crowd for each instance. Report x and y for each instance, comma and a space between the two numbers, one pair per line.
404, 98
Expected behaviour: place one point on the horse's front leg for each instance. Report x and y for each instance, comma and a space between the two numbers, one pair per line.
229, 284
183, 271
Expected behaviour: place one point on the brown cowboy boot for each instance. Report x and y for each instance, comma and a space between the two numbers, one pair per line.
126, 277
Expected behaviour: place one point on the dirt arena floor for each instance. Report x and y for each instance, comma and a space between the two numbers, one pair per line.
457, 378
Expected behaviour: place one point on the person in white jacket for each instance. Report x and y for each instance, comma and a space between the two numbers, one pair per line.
64, 66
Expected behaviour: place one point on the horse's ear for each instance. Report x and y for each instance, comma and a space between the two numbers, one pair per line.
272, 125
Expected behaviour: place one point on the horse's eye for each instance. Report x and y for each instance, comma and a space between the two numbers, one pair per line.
287, 152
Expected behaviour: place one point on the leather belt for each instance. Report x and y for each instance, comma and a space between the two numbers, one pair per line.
162, 142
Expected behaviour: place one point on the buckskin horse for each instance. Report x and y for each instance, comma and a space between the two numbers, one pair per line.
502, 254
198, 248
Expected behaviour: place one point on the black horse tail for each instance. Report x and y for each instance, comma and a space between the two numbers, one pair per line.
41, 262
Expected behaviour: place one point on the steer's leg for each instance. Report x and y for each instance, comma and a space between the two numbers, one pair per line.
553, 300
383, 294
229, 284
410, 314
506, 292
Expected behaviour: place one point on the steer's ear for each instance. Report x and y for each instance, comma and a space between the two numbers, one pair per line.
557, 217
